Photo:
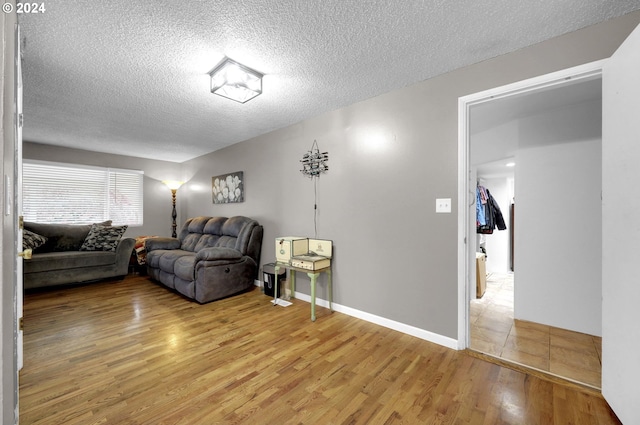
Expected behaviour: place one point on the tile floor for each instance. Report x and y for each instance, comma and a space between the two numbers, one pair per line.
494, 331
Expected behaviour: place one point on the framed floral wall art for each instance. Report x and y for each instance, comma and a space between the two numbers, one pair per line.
228, 188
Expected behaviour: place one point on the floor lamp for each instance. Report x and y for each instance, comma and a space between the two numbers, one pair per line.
174, 185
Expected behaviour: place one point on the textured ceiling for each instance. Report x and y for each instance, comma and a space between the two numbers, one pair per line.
129, 77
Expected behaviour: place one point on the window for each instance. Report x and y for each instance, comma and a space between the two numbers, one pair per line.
76, 194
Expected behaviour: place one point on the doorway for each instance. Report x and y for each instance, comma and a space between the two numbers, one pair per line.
542, 125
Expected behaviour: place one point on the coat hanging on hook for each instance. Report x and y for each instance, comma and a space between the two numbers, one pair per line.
488, 214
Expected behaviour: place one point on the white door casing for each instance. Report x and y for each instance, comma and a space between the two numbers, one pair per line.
8, 297
17, 179
466, 185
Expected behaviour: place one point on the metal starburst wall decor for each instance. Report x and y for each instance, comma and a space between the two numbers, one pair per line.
314, 162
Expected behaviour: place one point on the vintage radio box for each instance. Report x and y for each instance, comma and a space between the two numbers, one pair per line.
310, 262
321, 247
290, 246
318, 255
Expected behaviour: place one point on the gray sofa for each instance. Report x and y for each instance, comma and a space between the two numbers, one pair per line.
212, 257
67, 254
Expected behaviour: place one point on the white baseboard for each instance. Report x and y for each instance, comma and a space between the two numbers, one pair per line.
387, 323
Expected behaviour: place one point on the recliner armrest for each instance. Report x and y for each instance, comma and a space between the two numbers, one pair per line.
218, 253
161, 243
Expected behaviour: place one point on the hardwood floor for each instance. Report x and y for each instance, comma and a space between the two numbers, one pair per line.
572, 355
132, 352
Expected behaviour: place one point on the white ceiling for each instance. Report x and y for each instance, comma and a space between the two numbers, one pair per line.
129, 77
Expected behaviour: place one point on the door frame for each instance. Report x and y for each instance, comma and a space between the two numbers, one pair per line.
17, 200
466, 241
8, 240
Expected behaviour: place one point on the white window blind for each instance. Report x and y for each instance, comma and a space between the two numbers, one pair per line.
76, 194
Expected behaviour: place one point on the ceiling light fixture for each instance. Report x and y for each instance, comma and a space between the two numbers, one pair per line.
235, 81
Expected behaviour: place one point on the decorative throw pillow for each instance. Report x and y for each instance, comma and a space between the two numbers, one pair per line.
61, 237
103, 238
31, 240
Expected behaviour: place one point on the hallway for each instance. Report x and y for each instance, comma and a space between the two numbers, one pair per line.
564, 353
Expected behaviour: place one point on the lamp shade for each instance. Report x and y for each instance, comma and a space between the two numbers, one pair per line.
235, 81
173, 184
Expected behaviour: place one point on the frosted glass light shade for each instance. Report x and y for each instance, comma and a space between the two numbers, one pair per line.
235, 81
173, 184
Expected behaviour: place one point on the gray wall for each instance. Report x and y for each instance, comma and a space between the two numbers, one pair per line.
390, 158
157, 197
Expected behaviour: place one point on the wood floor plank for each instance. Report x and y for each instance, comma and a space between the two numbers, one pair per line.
131, 352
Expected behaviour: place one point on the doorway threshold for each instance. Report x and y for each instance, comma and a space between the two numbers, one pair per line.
538, 373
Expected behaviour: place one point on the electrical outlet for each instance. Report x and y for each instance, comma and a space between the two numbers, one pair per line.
443, 205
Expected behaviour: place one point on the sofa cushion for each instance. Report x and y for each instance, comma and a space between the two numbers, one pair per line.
50, 261
206, 241
203, 232
31, 240
192, 232
161, 243
234, 225
190, 242
103, 238
184, 268
214, 225
216, 253
237, 232
165, 259
61, 237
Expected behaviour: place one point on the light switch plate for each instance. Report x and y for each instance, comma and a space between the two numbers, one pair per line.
443, 205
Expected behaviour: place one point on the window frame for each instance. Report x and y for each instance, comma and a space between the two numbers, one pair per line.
77, 181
